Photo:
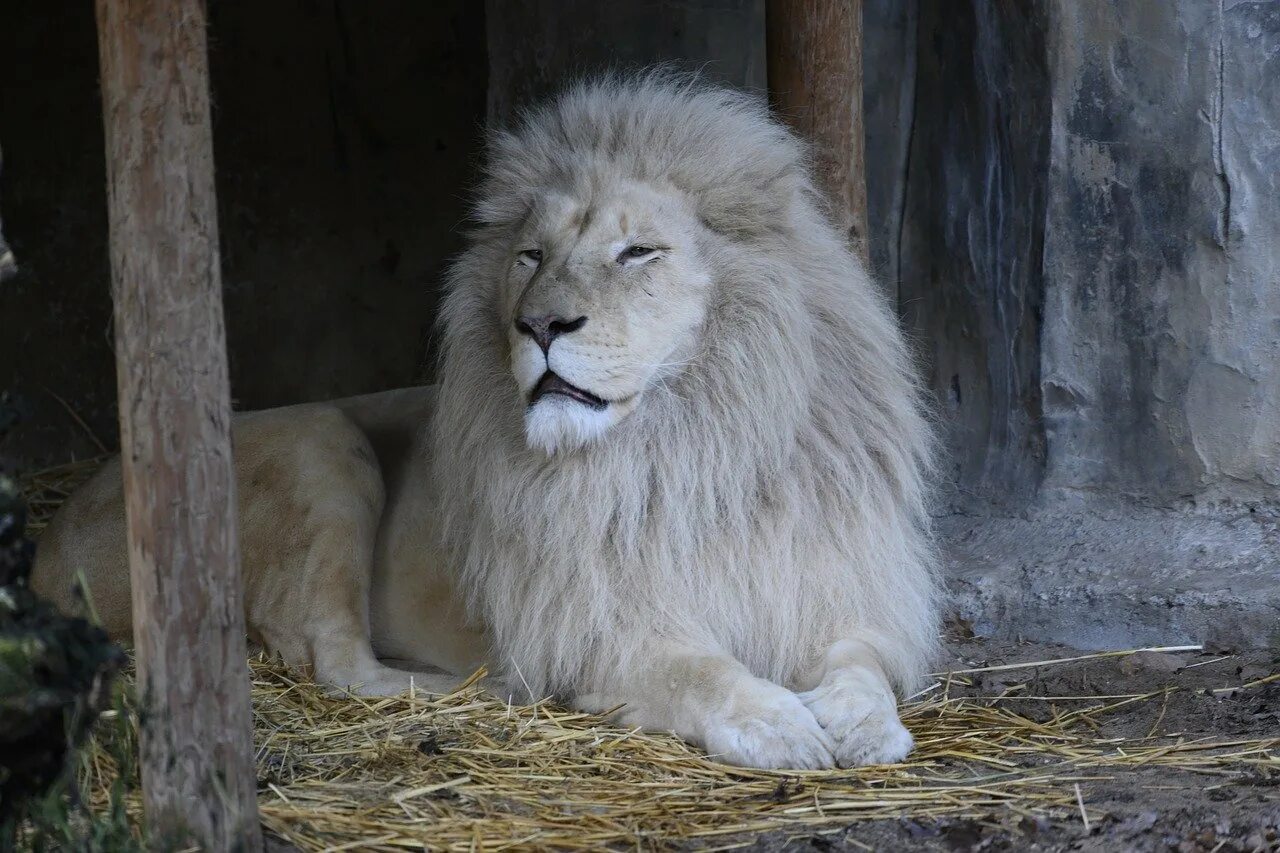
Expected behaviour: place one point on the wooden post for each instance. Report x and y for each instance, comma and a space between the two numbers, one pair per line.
193, 686
815, 83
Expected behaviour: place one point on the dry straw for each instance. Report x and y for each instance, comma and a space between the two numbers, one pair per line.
470, 771
46, 490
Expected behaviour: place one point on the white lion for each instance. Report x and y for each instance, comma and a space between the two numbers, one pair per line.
675, 461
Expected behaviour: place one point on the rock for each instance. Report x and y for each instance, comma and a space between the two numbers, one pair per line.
1155, 662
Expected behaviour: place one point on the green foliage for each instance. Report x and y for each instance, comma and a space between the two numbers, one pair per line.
65, 818
56, 674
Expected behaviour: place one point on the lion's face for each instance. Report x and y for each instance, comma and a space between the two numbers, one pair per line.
605, 295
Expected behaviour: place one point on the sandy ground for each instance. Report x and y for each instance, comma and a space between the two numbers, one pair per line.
1130, 810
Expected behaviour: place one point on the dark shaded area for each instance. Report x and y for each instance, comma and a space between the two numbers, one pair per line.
345, 135
968, 254
8, 264
54, 671
536, 46
889, 51
55, 332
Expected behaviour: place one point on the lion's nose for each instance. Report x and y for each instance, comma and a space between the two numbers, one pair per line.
546, 329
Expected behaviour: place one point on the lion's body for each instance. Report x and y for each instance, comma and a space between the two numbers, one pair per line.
320, 490
720, 520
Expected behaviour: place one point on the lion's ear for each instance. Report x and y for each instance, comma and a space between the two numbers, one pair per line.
513, 171
756, 205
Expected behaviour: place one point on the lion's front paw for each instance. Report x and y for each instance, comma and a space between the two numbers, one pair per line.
861, 719
769, 728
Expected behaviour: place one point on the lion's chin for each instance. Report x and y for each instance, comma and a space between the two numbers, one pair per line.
560, 424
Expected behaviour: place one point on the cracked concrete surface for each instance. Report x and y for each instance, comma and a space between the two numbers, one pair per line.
1132, 577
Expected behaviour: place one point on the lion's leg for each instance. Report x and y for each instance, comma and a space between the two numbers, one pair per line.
851, 697
712, 700
311, 504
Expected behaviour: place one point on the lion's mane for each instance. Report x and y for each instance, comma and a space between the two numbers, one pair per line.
768, 498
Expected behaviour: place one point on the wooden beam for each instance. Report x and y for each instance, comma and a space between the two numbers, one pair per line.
193, 686
815, 83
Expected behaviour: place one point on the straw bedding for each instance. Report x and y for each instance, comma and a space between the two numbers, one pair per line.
469, 771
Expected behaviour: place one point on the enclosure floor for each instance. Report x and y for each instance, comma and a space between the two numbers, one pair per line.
1143, 806
1017, 749
1137, 751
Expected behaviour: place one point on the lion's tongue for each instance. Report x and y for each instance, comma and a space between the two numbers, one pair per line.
553, 384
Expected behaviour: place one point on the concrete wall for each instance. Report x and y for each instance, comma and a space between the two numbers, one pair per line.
968, 236
1162, 365
1082, 227
1084, 233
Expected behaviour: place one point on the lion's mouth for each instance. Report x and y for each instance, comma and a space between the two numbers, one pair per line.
550, 383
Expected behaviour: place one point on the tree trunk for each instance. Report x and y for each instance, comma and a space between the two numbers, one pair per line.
815, 83
193, 687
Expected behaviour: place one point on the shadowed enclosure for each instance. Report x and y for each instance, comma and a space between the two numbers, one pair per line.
1076, 206
1075, 210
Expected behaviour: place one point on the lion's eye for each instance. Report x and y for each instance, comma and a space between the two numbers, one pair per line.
532, 255
632, 253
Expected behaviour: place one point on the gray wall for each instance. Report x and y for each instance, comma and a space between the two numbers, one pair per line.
1162, 365
1085, 241
968, 236
1082, 223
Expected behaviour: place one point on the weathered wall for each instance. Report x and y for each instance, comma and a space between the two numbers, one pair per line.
1085, 240
969, 243
889, 64
345, 135
1162, 356
1082, 224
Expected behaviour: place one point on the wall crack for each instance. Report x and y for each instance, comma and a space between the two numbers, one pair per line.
1219, 157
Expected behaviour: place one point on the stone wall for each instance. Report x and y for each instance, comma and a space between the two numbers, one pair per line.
1162, 363
1085, 240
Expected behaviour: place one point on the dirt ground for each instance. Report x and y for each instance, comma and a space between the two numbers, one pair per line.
1130, 810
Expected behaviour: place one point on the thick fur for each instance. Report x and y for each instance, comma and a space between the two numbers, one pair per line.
724, 531
766, 499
